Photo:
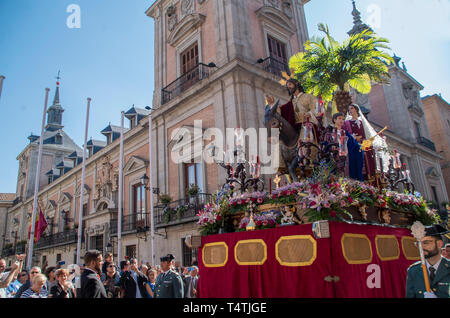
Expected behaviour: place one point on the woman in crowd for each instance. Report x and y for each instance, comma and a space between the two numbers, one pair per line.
37, 290
110, 280
63, 287
51, 277
150, 285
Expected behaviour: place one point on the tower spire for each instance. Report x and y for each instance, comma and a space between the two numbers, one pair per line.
54, 118
358, 25
56, 99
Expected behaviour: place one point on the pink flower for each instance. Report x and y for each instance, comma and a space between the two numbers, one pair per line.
333, 214
343, 203
350, 200
260, 200
218, 217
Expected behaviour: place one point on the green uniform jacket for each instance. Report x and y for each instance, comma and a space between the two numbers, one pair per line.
169, 286
415, 284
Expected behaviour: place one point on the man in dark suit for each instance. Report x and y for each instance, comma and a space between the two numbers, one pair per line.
191, 282
132, 282
169, 283
91, 285
438, 268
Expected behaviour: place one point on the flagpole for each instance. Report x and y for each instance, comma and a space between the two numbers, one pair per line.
80, 210
152, 227
119, 217
36, 185
1, 84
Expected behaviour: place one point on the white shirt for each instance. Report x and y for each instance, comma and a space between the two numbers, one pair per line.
138, 292
435, 266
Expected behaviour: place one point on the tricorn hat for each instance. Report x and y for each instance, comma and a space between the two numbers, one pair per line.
435, 230
167, 258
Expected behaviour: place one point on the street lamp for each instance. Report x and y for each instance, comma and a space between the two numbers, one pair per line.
145, 180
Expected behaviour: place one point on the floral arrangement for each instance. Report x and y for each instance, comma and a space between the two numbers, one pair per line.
264, 220
319, 198
245, 198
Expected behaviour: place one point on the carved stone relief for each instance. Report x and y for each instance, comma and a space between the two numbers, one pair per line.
287, 8
187, 7
273, 3
172, 17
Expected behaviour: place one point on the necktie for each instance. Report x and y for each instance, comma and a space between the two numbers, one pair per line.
432, 274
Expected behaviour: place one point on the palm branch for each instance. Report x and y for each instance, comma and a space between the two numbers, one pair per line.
327, 67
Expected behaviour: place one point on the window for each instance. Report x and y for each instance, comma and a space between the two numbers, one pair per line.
435, 196
85, 209
44, 259
277, 50
130, 251
194, 175
58, 139
278, 56
97, 243
138, 215
189, 69
50, 179
189, 254
58, 258
417, 126
189, 59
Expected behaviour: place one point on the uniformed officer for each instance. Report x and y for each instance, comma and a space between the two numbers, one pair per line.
169, 283
438, 268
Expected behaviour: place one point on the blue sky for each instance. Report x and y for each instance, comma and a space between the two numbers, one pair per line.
110, 58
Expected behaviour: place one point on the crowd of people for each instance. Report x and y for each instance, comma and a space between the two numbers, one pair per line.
100, 277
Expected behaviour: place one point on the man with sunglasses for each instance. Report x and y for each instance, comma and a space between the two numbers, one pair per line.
33, 272
438, 268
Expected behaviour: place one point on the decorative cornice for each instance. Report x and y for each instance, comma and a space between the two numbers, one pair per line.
188, 24
274, 16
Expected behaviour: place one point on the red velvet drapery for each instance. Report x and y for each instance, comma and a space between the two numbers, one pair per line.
329, 274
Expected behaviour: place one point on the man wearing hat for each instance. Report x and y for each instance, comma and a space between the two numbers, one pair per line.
438, 268
169, 283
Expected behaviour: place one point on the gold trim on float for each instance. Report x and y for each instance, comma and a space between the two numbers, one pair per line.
391, 258
297, 237
361, 236
215, 244
409, 238
251, 241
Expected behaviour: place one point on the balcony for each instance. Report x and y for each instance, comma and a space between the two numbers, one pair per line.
181, 211
274, 66
185, 81
58, 239
134, 223
426, 143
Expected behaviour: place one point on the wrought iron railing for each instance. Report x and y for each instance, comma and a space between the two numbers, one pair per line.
184, 82
426, 142
136, 222
62, 238
180, 211
274, 66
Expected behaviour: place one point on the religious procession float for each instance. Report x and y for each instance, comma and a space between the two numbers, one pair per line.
337, 221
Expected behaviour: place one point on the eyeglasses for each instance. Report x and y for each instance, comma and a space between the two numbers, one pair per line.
34, 273
111, 266
426, 242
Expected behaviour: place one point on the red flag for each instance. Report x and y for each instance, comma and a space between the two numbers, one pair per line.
40, 226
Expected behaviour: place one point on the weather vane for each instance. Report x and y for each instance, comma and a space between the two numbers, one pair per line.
58, 77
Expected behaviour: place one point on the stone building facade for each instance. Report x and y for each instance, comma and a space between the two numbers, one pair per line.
437, 112
214, 61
